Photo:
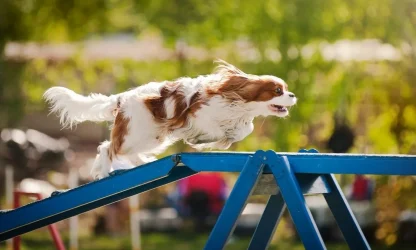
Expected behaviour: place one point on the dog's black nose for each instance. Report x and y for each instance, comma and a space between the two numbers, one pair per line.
292, 95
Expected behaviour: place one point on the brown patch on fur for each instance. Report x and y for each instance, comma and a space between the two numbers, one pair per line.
118, 133
182, 111
156, 104
196, 102
247, 89
239, 86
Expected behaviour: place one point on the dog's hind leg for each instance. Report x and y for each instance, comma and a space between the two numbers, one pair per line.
102, 164
108, 160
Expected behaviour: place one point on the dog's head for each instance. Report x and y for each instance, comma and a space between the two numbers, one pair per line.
264, 95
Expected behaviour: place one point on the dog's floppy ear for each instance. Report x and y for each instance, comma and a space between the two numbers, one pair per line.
240, 88
233, 84
232, 87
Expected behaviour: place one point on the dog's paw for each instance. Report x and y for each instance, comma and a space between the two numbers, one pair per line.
147, 158
97, 175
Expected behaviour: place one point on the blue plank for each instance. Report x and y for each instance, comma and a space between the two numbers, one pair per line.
120, 186
310, 163
88, 197
301, 215
344, 216
353, 164
215, 162
236, 202
268, 222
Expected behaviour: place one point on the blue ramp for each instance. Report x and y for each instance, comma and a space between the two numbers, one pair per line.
295, 174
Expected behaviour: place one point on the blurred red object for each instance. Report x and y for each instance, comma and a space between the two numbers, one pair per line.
52, 227
213, 184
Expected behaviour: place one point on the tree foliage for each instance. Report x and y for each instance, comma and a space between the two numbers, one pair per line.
323, 86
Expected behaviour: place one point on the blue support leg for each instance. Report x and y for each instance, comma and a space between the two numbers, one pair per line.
344, 216
268, 222
292, 194
236, 202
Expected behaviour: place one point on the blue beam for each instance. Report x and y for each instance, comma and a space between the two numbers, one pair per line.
268, 222
307, 168
344, 216
236, 201
215, 162
89, 196
292, 194
308, 163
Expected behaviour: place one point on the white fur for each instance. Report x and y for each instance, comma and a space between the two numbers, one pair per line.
215, 125
102, 164
170, 107
74, 108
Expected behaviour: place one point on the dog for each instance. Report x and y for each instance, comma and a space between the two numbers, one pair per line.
207, 112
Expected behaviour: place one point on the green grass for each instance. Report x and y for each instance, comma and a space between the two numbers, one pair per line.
157, 241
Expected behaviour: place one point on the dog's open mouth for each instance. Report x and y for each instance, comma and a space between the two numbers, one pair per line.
277, 108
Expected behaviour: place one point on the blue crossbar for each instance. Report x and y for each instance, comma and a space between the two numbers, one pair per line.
295, 174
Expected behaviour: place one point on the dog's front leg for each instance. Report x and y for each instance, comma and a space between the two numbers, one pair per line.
222, 144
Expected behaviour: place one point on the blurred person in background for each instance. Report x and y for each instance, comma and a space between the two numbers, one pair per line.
362, 188
199, 197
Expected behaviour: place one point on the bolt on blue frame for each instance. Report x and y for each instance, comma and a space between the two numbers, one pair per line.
295, 174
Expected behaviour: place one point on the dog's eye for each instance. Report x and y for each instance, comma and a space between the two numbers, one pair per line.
279, 91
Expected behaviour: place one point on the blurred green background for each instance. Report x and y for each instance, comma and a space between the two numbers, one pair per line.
351, 63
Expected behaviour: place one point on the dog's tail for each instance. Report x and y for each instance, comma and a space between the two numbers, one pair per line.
73, 108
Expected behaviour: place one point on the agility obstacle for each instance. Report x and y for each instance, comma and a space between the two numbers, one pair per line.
293, 174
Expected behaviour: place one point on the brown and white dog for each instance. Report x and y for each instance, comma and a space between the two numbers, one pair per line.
210, 111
